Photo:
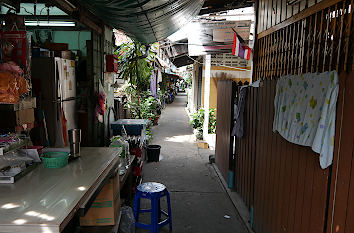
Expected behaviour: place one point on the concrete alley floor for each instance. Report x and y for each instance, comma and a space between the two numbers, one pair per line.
199, 202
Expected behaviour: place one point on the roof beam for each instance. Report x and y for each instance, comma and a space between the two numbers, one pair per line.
80, 14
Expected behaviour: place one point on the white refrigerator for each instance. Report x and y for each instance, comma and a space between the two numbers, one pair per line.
57, 93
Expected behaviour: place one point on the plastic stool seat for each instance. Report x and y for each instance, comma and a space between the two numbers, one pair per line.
154, 192
151, 187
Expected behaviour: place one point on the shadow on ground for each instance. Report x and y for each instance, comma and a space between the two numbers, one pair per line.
199, 202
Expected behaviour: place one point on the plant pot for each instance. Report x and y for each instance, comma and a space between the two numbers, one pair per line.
156, 120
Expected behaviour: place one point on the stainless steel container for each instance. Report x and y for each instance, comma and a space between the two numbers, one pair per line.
74, 140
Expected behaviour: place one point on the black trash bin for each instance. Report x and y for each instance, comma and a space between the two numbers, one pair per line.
153, 153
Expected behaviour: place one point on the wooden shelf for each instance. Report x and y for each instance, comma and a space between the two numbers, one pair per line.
23, 104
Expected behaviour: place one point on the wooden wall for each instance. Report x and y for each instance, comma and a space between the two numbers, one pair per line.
223, 126
246, 150
273, 12
282, 182
341, 200
315, 40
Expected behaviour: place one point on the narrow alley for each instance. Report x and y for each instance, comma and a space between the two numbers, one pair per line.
183, 116
199, 202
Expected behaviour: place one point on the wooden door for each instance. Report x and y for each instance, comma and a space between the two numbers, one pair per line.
224, 126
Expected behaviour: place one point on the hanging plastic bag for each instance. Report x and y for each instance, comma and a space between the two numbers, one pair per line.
8, 88
127, 222
22, 85
17, 72
101, 104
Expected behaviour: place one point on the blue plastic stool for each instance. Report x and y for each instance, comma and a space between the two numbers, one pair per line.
152, 191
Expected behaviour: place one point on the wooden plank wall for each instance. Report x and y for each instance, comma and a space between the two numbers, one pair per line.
246, 150
283, 182
315, 43
223, 126
341, 204
273, 12
290, 192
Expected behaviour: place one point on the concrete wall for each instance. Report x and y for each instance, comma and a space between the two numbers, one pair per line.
75, 39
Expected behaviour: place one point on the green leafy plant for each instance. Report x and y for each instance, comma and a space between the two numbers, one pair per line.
197, 121
149, 134
212, 121
135, 64
148, 108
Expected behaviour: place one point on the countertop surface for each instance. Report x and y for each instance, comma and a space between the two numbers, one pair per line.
46, 198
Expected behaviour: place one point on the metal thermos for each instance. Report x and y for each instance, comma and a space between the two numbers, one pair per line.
74, 140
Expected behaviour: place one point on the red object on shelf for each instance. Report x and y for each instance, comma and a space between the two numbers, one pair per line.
21, 51
136, 151
112, 63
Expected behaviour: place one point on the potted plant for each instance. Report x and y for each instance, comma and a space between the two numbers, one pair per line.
197, 122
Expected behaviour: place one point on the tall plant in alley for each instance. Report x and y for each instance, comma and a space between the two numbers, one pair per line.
135, 64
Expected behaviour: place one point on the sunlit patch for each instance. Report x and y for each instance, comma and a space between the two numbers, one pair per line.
81, 188
182, 138
9, 206
20, 221
46, 230
46, 217
32, 213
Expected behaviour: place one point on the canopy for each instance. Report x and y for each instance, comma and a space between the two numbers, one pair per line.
147, 21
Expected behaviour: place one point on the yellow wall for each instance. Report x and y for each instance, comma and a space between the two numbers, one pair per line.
213, 84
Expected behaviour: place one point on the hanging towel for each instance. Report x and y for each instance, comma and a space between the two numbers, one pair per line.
305, 111
238, 113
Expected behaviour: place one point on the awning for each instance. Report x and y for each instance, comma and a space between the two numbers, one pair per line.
173, 76
147, 21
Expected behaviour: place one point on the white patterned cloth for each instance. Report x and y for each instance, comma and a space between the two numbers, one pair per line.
305, 111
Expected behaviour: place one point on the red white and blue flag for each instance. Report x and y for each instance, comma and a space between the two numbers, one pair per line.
239, 47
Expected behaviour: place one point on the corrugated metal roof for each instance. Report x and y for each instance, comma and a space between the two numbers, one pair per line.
147, 21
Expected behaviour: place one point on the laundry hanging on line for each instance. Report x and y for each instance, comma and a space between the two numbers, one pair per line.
305, 111
239, 109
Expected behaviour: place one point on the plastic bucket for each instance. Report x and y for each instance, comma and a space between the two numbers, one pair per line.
153, 153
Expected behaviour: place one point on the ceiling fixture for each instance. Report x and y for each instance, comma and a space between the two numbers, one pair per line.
50, 23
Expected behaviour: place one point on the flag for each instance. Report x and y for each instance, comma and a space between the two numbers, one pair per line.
239, 48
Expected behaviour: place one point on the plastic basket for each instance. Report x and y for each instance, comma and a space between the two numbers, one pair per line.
55, 159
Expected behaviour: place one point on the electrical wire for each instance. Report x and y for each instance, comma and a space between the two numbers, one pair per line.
40, 13
27, 11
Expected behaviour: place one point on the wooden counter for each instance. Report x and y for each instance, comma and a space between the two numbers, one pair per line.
46, 199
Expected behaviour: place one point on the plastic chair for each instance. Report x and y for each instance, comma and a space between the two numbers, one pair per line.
154, 192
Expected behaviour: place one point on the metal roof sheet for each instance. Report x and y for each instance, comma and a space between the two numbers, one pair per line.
147, 21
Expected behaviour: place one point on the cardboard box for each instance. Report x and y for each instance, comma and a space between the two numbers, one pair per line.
19, 120
66, 54
106, 207
56, 46
24, 116
203, 145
